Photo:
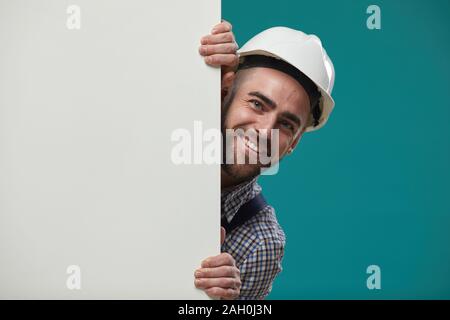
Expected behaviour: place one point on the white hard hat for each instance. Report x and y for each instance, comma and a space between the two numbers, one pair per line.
305, 53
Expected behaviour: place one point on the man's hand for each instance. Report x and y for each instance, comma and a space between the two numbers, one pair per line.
219, 49
218, 276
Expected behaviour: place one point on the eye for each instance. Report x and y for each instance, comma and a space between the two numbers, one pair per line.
287, 125
256, 104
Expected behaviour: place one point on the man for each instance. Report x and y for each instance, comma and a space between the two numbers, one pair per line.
281, 80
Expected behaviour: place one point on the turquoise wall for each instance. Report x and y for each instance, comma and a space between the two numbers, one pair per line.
373, 186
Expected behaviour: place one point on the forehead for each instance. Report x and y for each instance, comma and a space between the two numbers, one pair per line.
288, 94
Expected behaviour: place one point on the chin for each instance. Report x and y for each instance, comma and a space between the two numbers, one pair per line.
242, 172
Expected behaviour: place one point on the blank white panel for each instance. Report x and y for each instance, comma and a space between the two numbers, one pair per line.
86, 176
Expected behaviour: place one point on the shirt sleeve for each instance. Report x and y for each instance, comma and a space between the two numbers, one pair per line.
259, 270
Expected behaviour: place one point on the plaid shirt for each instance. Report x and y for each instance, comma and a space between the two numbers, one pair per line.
257, 246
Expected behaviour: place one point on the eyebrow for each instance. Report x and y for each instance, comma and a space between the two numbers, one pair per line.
272, 104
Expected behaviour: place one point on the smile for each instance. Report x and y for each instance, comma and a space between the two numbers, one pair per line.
249, 144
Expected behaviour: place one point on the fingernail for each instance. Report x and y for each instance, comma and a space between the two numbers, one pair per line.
214, 30
203, 40
198, 273
208, 59
203, 50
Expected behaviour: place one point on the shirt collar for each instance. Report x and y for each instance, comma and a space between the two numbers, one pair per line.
232, 199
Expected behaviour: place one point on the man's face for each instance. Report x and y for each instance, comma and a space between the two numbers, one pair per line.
267, 99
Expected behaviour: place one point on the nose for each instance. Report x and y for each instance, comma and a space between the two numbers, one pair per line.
264, 126
267, 121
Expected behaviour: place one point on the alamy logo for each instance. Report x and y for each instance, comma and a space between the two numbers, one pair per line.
374, 20
74, 19
374, 280
73, 281
234, 146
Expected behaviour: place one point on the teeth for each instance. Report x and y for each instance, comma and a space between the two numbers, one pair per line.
251, 145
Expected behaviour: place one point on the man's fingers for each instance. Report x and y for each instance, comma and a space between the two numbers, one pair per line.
207, 50
224, 271
206, 283
220, 48
226, 37
218, 293
216, 60
223, 259
224, 26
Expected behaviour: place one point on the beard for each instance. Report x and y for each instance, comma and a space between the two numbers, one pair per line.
240, 173
237, 171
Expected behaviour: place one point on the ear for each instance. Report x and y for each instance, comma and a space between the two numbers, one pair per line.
227, 82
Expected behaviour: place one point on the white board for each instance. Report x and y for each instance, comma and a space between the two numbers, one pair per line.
86, 177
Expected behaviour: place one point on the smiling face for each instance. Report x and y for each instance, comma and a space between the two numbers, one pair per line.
263, 98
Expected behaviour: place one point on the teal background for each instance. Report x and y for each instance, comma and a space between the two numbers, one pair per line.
373, 186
